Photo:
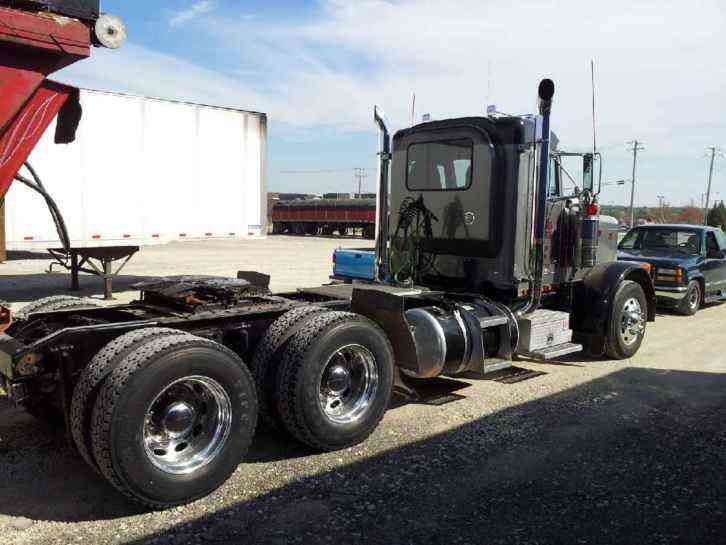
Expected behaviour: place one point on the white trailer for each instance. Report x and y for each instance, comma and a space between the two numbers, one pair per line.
146, 171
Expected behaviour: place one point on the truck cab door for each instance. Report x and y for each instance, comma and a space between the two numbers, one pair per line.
558, 246
714, 268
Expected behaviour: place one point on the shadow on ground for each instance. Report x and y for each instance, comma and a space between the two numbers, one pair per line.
635, 457
24, 288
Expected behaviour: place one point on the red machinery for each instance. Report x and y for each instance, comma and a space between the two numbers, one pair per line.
38, 38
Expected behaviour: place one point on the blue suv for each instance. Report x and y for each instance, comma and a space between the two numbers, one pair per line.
688, 263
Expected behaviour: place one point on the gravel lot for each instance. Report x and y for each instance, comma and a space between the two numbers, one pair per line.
590, 452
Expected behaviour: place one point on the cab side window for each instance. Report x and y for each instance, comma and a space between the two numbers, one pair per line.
553, 188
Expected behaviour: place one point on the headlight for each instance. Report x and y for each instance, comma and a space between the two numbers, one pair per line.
670, 275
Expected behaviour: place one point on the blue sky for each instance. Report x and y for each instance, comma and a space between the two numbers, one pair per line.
318, 67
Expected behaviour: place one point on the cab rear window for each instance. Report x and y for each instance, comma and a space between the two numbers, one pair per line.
444, 165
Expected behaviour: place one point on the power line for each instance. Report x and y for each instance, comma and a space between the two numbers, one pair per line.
324, 171
637, 146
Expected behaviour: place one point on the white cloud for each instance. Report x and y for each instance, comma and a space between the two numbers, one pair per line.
192, 12
660, 75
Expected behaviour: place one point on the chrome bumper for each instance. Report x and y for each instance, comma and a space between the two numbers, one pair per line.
671, 294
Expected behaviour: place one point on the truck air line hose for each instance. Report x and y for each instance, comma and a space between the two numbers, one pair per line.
37, 185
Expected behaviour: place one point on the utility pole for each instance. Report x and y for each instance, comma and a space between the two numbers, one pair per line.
713, 150
360, 175
637, 146
661, 200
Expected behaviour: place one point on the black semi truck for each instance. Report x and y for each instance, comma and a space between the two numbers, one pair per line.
481, 257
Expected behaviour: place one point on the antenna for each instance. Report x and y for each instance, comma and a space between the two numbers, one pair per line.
413, 110
489, 84
594, 125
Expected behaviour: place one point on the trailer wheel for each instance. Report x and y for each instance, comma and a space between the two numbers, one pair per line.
56, 302
335, 380
369, 232
265, 362
628, 321
92, 378
173, 420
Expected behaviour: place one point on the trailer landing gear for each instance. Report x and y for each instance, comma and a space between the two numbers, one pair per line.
106, 256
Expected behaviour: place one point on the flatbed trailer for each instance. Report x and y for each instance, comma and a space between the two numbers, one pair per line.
325, 216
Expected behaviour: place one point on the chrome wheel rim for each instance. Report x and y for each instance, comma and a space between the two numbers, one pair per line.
695, 297
348, 384
187, 425
632, 322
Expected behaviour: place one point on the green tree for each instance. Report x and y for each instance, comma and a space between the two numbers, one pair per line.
717, 216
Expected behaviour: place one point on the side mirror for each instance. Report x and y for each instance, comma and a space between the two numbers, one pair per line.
588, 179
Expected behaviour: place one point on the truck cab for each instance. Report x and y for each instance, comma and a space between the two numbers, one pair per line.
479, 206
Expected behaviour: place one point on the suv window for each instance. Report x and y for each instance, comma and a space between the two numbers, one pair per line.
714, 251
630, 240
721, 239
444, 165
663, 240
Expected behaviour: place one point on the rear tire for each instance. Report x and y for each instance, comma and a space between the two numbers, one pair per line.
56, 302
628, 321
92, 378
173, 420
335, 380
266, 360
692, 302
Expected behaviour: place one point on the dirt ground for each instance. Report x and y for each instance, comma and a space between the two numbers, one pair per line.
588, 452
293, 262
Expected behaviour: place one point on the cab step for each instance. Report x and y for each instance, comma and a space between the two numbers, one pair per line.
553, 352
490, 366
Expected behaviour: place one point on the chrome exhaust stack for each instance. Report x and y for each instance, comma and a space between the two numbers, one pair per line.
546, 92
382, 228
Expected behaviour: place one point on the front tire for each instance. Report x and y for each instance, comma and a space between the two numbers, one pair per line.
692, 302
335, 380
628, 320
173, 420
